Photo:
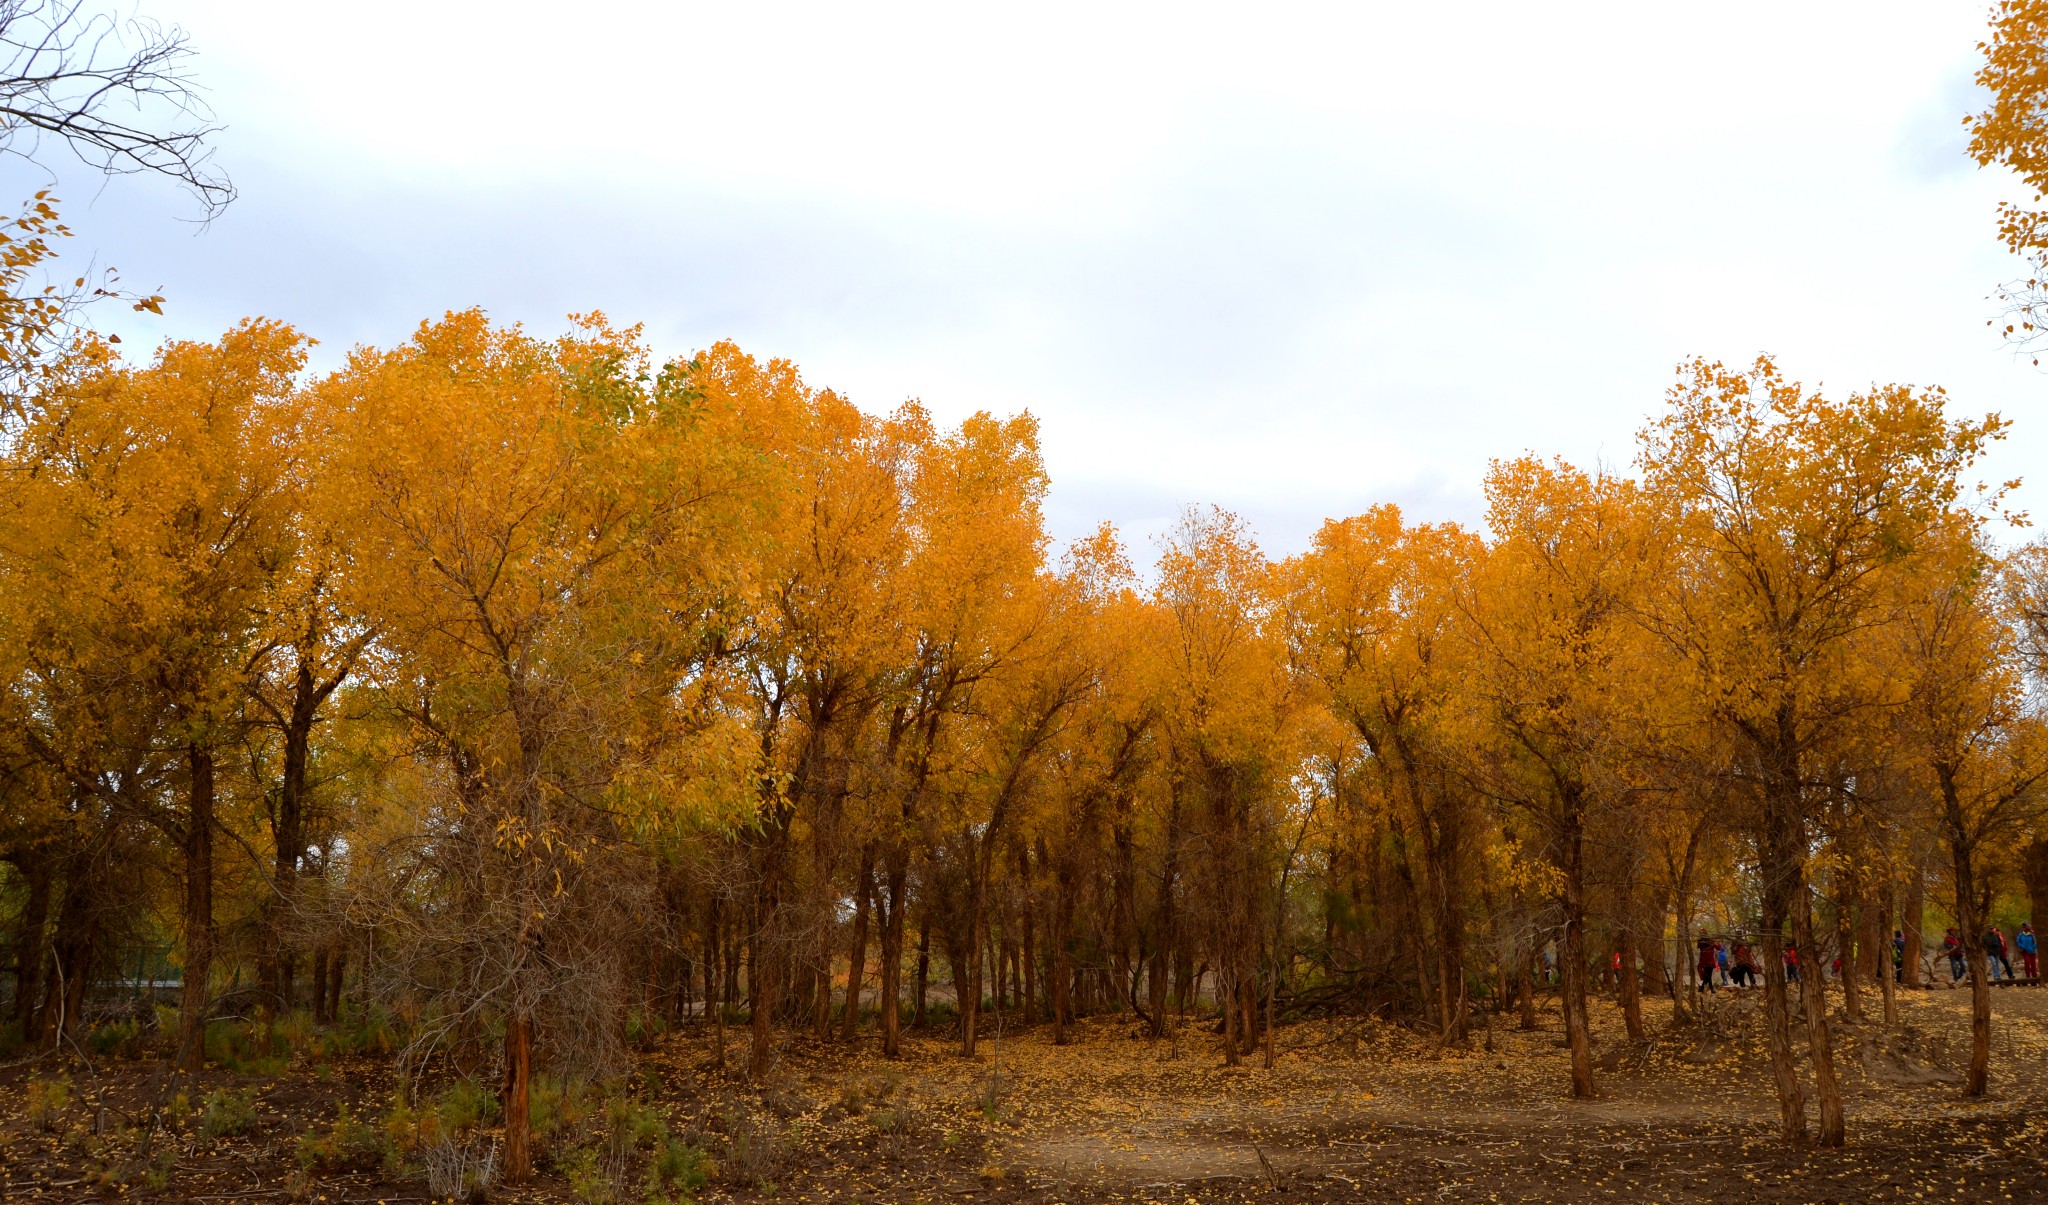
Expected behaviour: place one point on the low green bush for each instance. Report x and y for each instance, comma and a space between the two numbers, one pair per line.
465, 1106
676, 1172
553, 1103
47, 1100
349, 1141
227, 1113
247, 1048
114, 1037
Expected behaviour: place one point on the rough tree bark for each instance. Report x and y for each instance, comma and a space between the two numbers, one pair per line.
518, 1071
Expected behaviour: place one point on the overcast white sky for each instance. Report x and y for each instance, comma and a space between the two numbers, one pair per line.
1291, 259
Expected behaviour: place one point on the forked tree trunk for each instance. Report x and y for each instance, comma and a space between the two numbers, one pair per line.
1814, 992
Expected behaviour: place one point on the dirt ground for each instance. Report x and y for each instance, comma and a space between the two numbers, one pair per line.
1350, 1112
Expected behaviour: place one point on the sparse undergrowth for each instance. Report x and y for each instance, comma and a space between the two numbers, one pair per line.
1352, 1110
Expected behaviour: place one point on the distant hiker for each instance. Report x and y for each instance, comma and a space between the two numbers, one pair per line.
1994, 953
1898, 956
1721, 961
2030, 950
1745, 965
1952, 946
1791, 963
1708, 947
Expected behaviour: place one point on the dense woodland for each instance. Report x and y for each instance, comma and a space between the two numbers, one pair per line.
539, 694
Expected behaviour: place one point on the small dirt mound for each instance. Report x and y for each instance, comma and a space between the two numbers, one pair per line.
1902, 1060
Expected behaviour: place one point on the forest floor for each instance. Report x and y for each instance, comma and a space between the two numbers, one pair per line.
1351, 1111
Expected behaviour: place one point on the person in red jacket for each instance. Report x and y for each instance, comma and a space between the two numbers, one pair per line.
1952, 949
1707, 961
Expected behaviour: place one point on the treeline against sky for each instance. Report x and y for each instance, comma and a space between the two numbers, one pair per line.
538, 694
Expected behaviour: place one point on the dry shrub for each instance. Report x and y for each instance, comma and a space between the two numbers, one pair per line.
462, 1171
755, 1147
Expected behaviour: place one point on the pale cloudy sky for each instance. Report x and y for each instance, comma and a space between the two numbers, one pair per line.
1291, 259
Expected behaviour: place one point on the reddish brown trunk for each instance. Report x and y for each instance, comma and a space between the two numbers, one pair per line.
518, 1072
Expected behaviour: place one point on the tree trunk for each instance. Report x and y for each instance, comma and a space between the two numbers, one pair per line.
1572, 963
1063, 960
892, 955
977, 937
198, 919
924, 965
79, 959
1631, 985
857, 962
1777, 902
1978, 1079
1845, 943
70, 960
1885, 969
288, 838
1030, 951
1527, 979
1814, 993
760, 1001
2034, 869
320, 1014
1915, 919
518, 1071
30, 958
715, 971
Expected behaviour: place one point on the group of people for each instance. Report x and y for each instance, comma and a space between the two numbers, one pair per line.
1738, 966
2025, 942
